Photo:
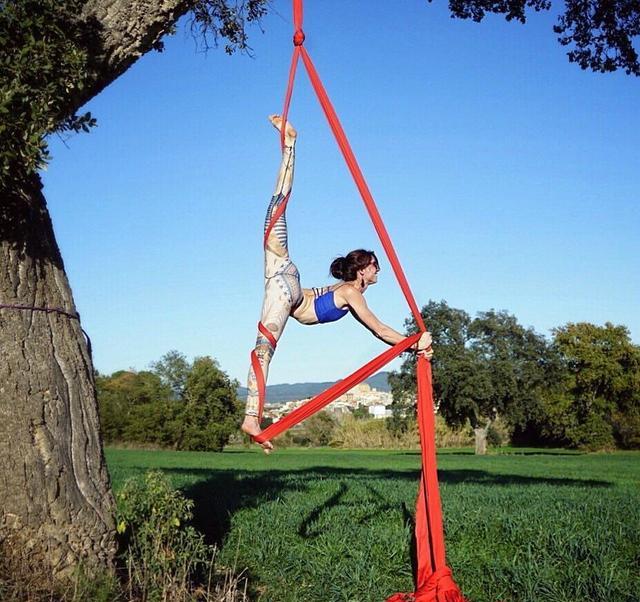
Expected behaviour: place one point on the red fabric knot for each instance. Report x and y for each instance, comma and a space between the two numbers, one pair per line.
298, 37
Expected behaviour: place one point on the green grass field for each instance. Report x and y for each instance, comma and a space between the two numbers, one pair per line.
324, 525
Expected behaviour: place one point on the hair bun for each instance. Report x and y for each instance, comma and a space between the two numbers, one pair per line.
337, 268
346, 268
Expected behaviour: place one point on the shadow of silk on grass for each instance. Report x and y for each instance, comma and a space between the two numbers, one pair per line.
218, 494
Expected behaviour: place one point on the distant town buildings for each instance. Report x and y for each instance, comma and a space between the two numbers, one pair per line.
363, 395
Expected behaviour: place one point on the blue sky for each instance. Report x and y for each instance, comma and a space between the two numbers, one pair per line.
507, 177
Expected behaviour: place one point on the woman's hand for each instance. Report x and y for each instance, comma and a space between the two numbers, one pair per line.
424, 342
423, 346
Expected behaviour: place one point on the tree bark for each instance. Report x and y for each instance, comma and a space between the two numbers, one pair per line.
55, 497
117, 33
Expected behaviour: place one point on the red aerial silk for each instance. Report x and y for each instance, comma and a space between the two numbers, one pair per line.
434, 582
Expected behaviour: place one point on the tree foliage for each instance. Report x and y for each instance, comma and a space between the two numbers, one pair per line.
600, 34
215, 19
44, 59
520, 365
582, 389
211, 408
483, 368
173, 370
179, 405
449, 328
125, 400
597, 404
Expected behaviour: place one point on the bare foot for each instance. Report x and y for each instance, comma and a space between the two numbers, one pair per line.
251, 426
289, 133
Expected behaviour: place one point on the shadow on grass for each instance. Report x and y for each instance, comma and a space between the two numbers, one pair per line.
306, 529
309, 529
219, 493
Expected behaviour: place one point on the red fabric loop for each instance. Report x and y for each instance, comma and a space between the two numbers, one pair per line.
257, 369
298, 37
262, 387
275, 217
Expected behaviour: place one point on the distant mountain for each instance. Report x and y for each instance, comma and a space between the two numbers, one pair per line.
289, 392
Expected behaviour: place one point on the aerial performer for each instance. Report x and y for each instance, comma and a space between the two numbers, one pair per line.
284, 297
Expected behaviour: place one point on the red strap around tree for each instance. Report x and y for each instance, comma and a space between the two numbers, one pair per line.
434, 582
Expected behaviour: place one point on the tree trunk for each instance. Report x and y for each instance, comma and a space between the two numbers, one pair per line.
56, 507
55, 501
481, 438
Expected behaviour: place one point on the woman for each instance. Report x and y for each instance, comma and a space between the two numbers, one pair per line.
284, 297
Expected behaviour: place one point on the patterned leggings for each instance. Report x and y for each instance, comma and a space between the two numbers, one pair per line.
282, 291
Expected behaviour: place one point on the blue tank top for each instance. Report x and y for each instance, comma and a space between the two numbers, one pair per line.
326, 310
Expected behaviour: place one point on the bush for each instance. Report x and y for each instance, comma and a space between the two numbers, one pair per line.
595, 433
448, 436
319, 429
165, 557
626, 429
399, 424
499, 433
316, 431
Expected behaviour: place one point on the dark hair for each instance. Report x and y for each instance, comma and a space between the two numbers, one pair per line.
346, 268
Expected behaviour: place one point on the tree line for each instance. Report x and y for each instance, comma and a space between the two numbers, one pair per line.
177, 404
579, 389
